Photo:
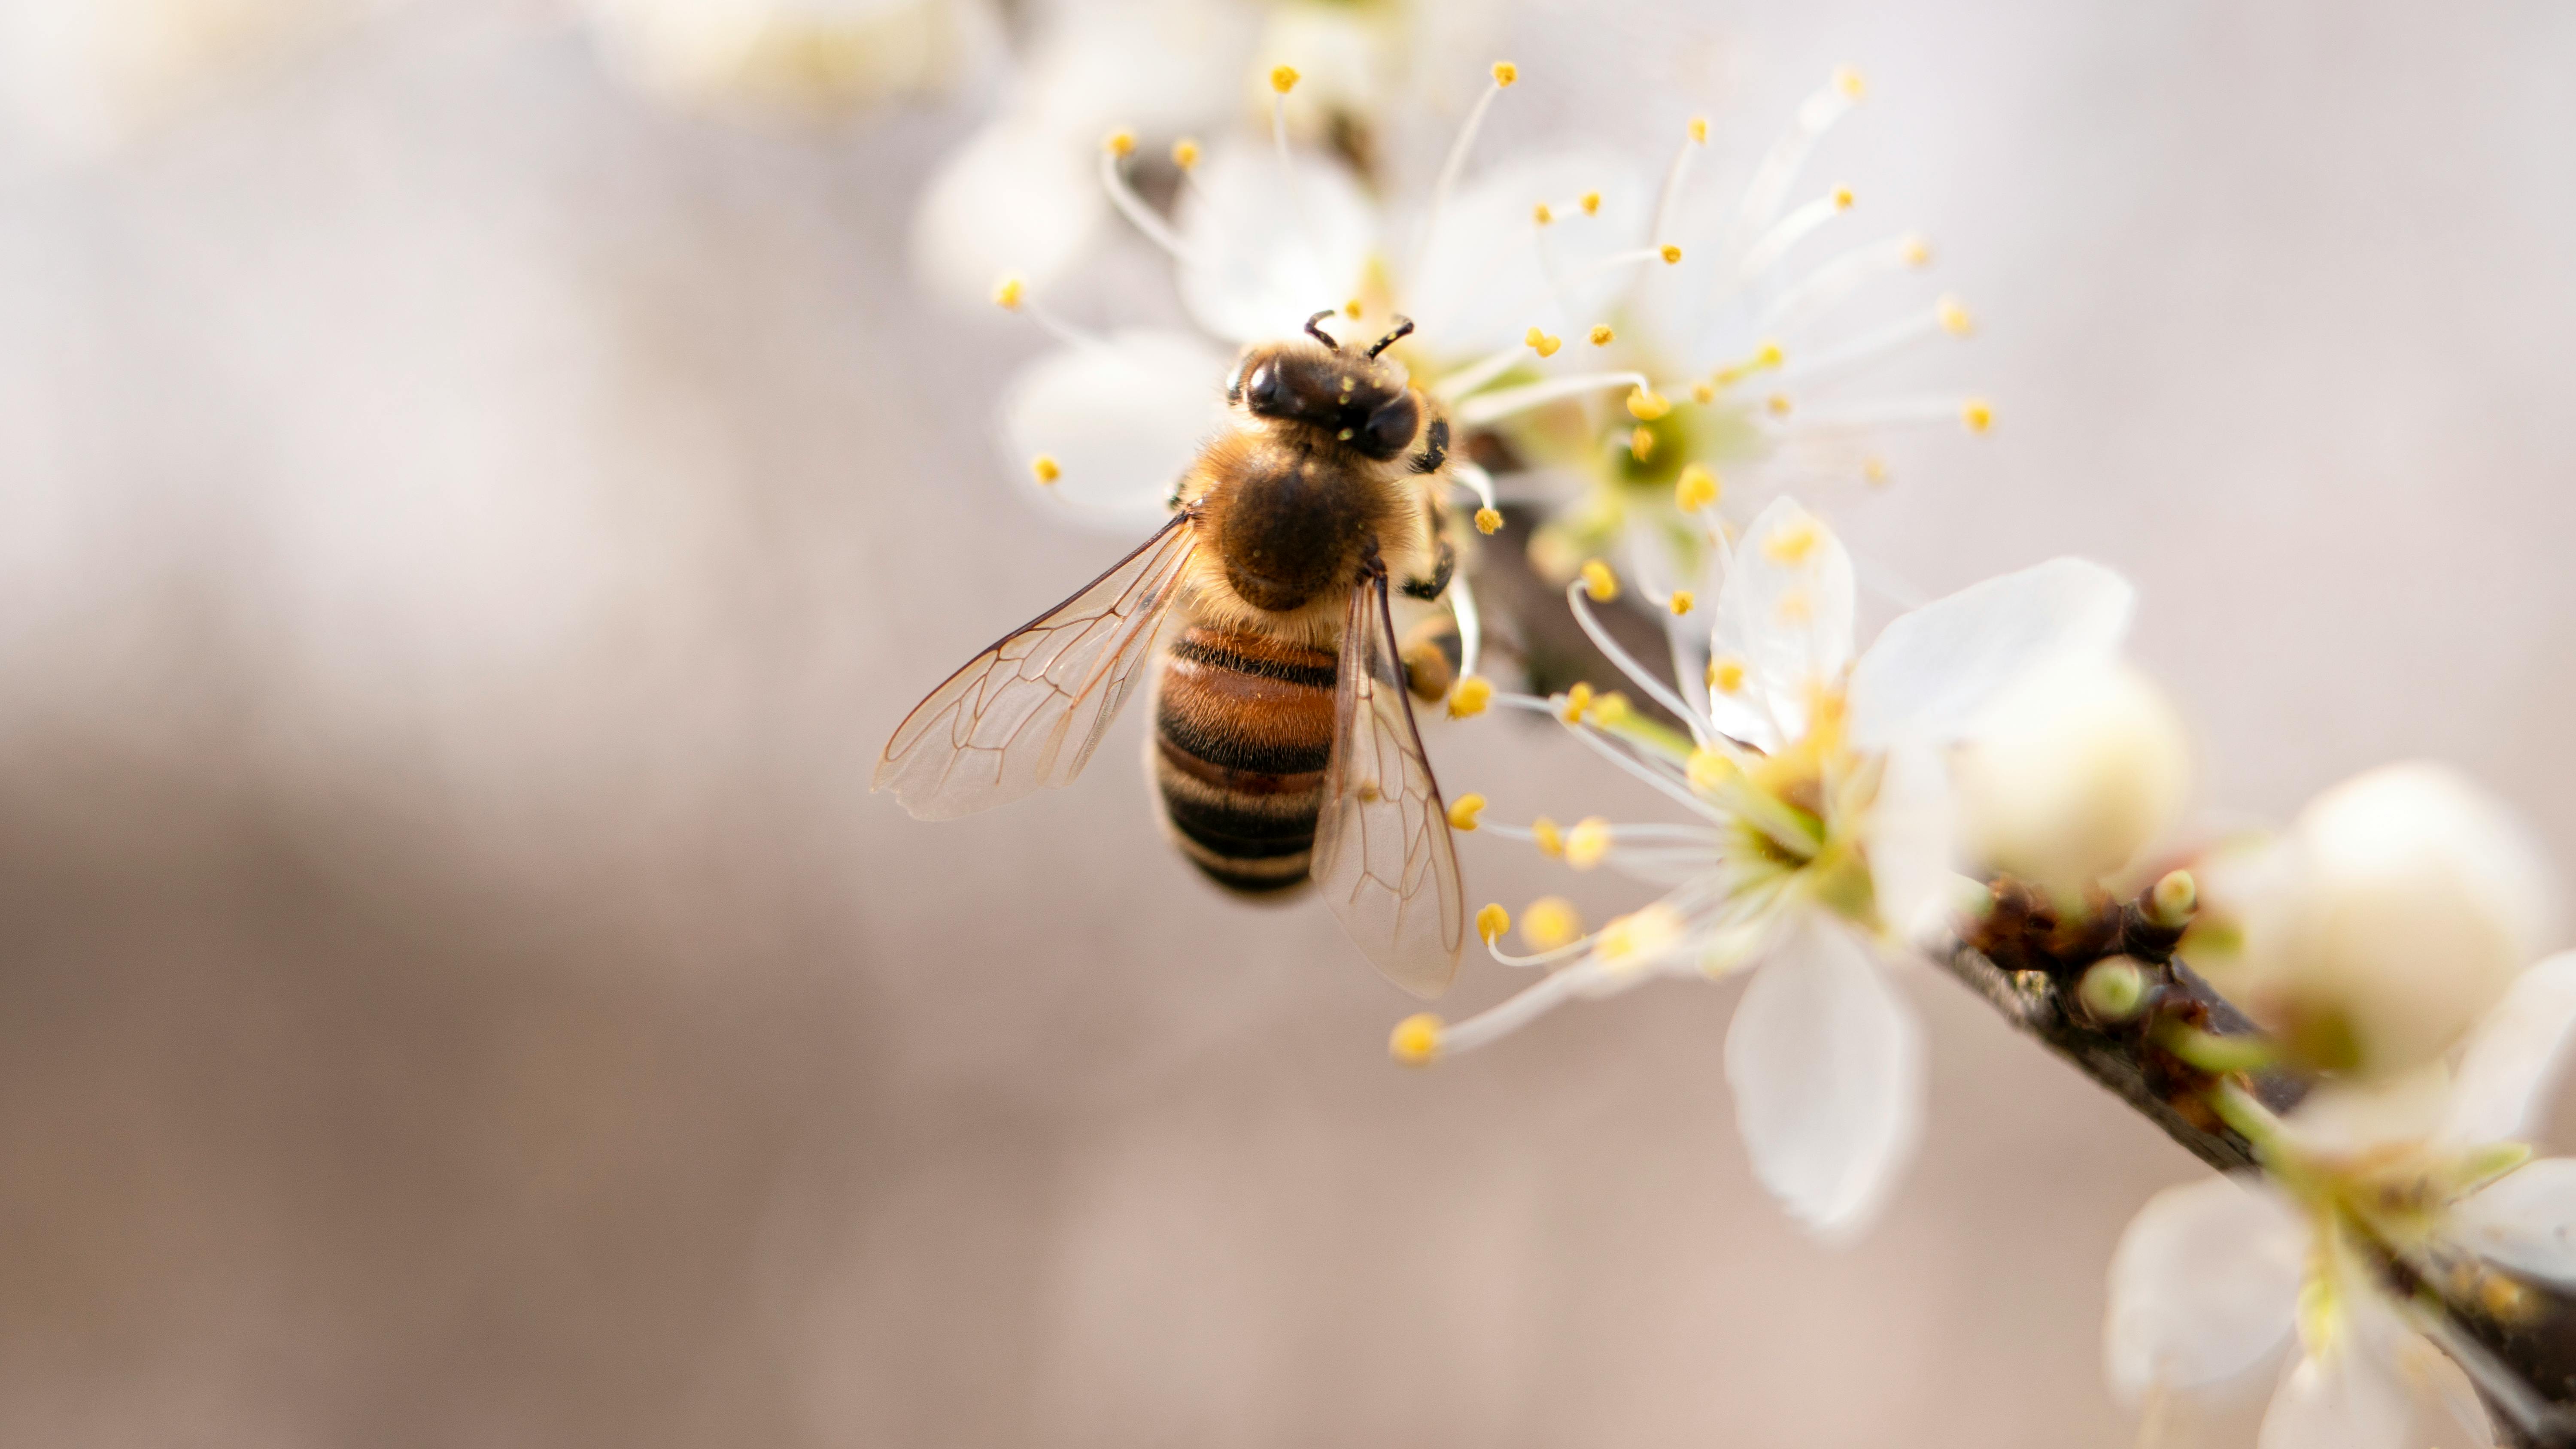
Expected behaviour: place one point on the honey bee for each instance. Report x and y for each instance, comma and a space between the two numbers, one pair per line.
1284, 747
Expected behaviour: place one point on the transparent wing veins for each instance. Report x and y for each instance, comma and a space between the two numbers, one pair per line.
1384, 860
1027, 713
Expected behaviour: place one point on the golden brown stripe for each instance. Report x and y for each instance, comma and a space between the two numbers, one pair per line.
1243, 730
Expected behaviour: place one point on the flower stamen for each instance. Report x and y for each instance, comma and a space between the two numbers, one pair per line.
1505, 74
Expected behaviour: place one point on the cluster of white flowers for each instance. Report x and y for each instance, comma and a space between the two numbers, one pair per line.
1843, 810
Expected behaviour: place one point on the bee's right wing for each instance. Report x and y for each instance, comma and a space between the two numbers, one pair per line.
1383, 857
1029, 711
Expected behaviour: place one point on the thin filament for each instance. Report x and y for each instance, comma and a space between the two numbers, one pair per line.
1450, 170
1655, 689
1492, 407
1113, 179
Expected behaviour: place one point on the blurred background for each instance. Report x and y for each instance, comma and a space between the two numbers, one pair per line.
474, 497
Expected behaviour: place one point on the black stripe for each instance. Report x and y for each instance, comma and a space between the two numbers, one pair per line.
1199, 651
1251, 885
1270, 838
1235, 752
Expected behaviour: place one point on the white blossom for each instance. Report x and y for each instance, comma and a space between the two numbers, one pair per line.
2395, 910
2073, 775
1819, 835
2428, 1174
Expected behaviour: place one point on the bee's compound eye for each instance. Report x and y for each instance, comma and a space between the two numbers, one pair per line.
1234, 382
1391, 427
1262, 389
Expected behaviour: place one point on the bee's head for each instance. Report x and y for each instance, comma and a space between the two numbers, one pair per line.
1354, 398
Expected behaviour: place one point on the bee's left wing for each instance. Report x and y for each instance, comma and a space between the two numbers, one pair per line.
1028, 712
1383, 857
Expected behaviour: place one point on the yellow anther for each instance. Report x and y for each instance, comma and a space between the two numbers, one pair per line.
1592, 203
1842, 198
1641, 443
1978, 414
1541, 214
1416, 1040
1550, 922
1647, 406
1469, 696
1696, 489
1542, 344
1954, 316
1352, 309
1726, 676
1549, 840
1639, 936
1046, 467
1611, 710
1682, 601
1710, 769
1587, 842
1009, 292
1699, 129
1671, 254
1769, 353
1792, 544
1703, 392
1577, 700
1874, 468
1185, 153
1462, 815
1505, 72
1121, 143
1488, 520
1600, 583
1492, 922
1778, 403
1918, 252
1602, 336
1283, 78
1850, 82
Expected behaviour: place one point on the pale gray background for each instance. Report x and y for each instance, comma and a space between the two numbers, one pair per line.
464, 531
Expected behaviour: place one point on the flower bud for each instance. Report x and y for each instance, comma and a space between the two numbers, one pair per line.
2072, 774
2404, 903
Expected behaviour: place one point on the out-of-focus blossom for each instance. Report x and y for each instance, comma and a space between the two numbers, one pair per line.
1819, 834
814, 56
2073, 775
1018, 196
1750, 345
2394, 912
79, 76
2367, 1192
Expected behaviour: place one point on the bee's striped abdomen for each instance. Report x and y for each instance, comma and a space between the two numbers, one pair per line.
1242, 729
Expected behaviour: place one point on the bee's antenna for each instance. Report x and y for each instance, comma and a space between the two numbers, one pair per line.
1319, 334
1403, 325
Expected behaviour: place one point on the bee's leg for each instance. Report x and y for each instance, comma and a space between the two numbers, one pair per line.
1438, 584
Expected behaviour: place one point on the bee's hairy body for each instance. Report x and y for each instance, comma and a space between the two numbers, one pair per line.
1331, 468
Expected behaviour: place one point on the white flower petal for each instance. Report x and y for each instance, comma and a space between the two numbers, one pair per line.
1483, 283
1933, 670
1909, 838
1785, 615
1826, 1063
2525, 1221
1121, 421
2353, 1397
1270, 250
1015, 199
2513, 1055
2204, 1284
